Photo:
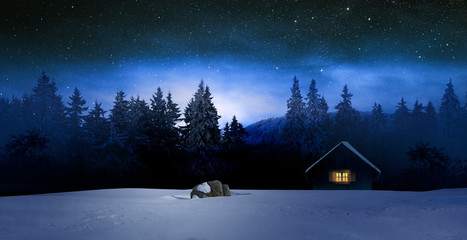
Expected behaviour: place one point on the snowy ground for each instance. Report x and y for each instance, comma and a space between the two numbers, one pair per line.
249, 214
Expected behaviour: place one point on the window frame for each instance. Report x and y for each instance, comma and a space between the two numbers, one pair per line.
341, 176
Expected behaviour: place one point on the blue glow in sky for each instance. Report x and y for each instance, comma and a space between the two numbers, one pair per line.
246, 52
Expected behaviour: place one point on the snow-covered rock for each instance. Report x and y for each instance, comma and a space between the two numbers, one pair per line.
204, 188
210, 189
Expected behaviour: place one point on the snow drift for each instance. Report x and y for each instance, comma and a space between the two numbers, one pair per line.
248, 214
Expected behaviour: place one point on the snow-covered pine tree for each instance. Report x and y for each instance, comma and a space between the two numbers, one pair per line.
346, 118
74, 119
191, 108
158, 112
316, 114
173, 117
212, 120
402, 117
164, 115
449, 111
75, 111
201, 132
295, 125
138, 118
313, 110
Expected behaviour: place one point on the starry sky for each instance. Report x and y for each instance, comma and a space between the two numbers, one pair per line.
246, 51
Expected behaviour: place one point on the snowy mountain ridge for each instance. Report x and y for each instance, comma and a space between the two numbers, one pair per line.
268, 131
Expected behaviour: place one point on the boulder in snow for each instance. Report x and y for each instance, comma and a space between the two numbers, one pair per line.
216, 188
226, 190
210, 189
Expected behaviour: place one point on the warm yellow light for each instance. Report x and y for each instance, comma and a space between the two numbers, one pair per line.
340, 176
345, 177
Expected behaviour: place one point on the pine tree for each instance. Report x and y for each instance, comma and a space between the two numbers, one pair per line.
192, 107
202, 130
326, 120
430, 123
48, 109
21, 116
7, 118
317, 118
158, 111
76, 109
378, 120
164, 114
29, 156
238, 133
294, 132
173, 117
119, 118
347, 117
377, 123
227, 141
75, 141
313, 106
173, 111
418, 118
234, 135
96, 125
449, 111
212, 119
138, 118
401, 117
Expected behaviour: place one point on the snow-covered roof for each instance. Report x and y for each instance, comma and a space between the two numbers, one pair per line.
351, 148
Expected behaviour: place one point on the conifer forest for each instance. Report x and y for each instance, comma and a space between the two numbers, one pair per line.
72, 143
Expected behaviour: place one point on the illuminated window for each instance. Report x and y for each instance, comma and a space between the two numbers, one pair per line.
341, 176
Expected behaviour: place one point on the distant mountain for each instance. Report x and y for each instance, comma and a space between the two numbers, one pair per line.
268, 131
265, 131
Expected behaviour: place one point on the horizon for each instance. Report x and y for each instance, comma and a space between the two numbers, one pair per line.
247, 53
188, 92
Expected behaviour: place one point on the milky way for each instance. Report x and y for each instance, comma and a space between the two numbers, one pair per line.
247, 51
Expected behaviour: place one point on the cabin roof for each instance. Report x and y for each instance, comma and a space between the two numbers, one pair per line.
351, 148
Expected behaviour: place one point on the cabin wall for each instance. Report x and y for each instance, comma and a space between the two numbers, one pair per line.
342, 158
363, 181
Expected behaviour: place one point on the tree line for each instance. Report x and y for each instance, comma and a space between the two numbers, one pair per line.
136, 144
418, 148
154, 144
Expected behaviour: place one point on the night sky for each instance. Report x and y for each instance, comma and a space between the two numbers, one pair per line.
246, 51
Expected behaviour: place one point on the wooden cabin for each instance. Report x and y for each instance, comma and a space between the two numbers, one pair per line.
342, 168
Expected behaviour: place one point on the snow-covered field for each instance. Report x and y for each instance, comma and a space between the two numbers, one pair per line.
248, 214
